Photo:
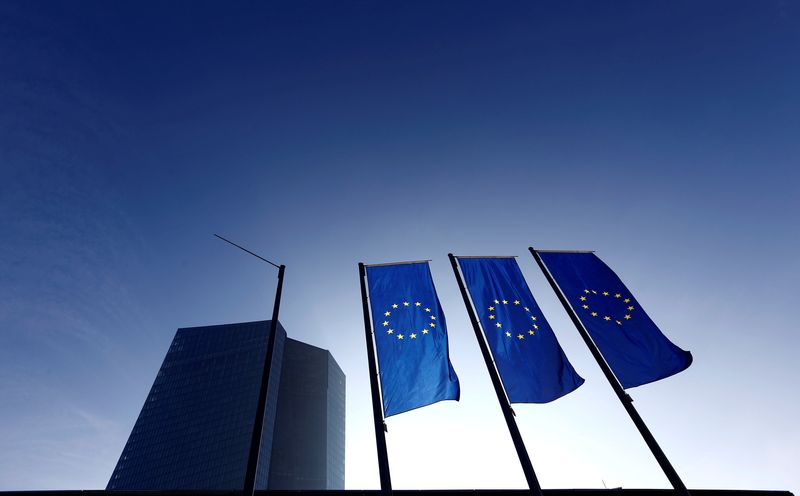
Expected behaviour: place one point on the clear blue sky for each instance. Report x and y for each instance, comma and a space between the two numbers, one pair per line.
664, 135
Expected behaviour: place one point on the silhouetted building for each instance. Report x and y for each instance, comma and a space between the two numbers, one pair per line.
194, 429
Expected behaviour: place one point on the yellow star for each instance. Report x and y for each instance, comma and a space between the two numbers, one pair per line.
585, 306
594, 314
432, 324
605, 293
527, 309
606, 318
388, 314
583, 298
496, 302
394, 305
427, 309
618, 322
424, 331
508, 334
498, 325
531, 333
413, 336
491, 308
533, 317
505, 302
627, 300
491, 317
516, 302
405, 303
593, 291
535, 326
585, 290
390, 331
433, 317
627, 317
386, 322
630, 308
399, 336
617, 295
416, 303
520, 336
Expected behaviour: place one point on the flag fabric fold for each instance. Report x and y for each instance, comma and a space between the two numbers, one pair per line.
531, 363
410, 338
631, 343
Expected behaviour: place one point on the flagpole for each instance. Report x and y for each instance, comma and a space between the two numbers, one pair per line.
624, 398
377, 410
508, 414
266, 374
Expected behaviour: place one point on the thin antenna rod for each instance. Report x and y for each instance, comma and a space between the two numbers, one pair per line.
249, 486
248, 251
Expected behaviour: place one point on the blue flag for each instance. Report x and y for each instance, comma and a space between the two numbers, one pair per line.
410, 338
530, 361
630, 342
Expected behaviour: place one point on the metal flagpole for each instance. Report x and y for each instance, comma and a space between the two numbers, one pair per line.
522, 453
624, 397
377, 409
266, 373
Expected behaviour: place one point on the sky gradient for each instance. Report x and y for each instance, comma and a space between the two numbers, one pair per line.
663, 135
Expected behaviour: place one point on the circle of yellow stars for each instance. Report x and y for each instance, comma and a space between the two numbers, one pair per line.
628, 306
411, 334
508, 333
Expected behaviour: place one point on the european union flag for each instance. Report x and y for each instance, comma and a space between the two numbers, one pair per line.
410, 337
630, 342
530, 361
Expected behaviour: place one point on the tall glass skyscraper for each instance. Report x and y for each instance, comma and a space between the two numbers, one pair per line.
194, 429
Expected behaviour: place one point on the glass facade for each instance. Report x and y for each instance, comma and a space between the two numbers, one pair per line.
194, 429
308, 447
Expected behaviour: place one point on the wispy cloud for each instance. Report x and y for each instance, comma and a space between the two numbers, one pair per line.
58, 449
